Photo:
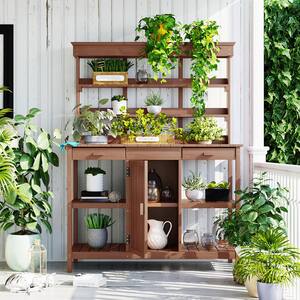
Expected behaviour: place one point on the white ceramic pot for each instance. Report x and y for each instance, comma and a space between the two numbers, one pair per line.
251, 286
154, 109
157, 238
17, 251
118, 106
97, 238
195, 195
268, 291
94, 183
96, 139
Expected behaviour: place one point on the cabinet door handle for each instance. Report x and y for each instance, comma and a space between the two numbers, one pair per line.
141, 209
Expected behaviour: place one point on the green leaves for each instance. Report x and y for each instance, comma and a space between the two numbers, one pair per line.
43, 141
26, 161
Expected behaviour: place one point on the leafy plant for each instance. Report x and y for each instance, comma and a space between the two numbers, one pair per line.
282, 77
220, 185
93, 122
203, 36
270, 258
154, 99
119, 98
142, 124
110, 65
29, 206
163, 42
94, 171
200, 129
98, 221
194, 182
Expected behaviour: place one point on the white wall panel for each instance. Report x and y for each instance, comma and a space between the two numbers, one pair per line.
45, 78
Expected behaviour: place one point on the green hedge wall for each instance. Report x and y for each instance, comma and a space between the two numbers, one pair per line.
282, 80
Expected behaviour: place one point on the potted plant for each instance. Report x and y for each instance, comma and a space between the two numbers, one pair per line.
217, 191
110, 71
93, 125
202, 130
94, 179
272, 260
27, 206
154, 103
119, 104
144, 127
194, 187
97, 225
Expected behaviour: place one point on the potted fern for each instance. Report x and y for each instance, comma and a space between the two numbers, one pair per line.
154, 103
97, 225
119, 104
194, 187
94, 179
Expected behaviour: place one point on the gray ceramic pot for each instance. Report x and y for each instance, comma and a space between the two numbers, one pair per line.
97, 238
96, 139
268, 291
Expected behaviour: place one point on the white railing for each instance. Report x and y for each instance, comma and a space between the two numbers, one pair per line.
288, 176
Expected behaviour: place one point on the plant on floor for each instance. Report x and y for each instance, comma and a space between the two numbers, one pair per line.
98, 221
154, 100
94, 171
163, 42
109, 65
203, 36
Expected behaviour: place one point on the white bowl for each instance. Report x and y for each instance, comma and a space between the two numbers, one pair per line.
154, 109
195, 195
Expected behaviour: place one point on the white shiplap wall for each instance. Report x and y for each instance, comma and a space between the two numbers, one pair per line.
44, 77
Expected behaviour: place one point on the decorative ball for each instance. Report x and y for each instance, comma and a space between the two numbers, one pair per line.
114, 196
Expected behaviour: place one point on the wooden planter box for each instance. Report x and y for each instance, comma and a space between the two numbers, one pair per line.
114, 78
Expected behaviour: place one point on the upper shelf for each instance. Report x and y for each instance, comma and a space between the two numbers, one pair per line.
133, 49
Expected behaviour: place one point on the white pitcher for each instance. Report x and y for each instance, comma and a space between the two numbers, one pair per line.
157, 238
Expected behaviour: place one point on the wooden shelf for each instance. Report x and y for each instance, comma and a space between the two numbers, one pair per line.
162, 204
202, 253
94, 204
217, 204
87, 83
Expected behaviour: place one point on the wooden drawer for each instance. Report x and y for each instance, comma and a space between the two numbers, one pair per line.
208, 154
153, 154
99, 154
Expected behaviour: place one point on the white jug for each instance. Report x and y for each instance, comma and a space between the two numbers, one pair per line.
157, 238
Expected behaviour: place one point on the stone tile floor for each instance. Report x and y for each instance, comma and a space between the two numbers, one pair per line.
140, 280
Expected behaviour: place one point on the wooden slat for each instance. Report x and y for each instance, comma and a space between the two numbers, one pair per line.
153, 154
94, 204
185, 203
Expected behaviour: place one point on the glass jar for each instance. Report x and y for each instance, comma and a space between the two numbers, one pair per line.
153, 192
141, 76
38, 258
208, 241
190, 238
167, 195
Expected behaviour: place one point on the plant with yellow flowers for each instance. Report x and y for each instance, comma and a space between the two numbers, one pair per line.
163, 43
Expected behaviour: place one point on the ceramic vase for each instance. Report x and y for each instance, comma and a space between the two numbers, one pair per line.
195, 195
97, 238
157, 238
119, 106
94, 183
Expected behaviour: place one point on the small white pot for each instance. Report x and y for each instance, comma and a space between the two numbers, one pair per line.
205, 142
17, 251
154, 109
97, 238
94, 183
251, 286
118, 106
195, 195
96, 139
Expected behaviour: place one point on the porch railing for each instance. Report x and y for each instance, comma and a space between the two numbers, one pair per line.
288, 176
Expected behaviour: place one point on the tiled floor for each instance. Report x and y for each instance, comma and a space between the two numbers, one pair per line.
140, 280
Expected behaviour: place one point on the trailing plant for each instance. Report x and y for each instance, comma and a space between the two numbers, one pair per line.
282, 77
262, 207
270, 258
194, 182
29, 207
98, 221
143, 124
119, 98
220, 185
203, 35
110, 65
154, 99
163, 42
94, 171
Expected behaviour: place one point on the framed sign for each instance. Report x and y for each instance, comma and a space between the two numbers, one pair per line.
7, 65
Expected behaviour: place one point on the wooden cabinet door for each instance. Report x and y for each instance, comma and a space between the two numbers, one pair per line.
137, 189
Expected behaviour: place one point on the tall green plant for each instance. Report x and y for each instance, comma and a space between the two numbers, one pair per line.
282, 77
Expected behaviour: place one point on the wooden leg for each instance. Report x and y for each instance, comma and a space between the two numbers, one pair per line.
70, 240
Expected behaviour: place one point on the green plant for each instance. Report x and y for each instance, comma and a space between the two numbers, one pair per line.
163, 42
203, 36
110, 65
142, 124
220, 185
201, 129
29, 206
119, 98
98, 221
270, 258
194, 182
282, 89
94, 171
95, 122
154, 99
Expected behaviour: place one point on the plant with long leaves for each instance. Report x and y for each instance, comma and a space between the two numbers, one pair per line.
98, 221
270, 258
